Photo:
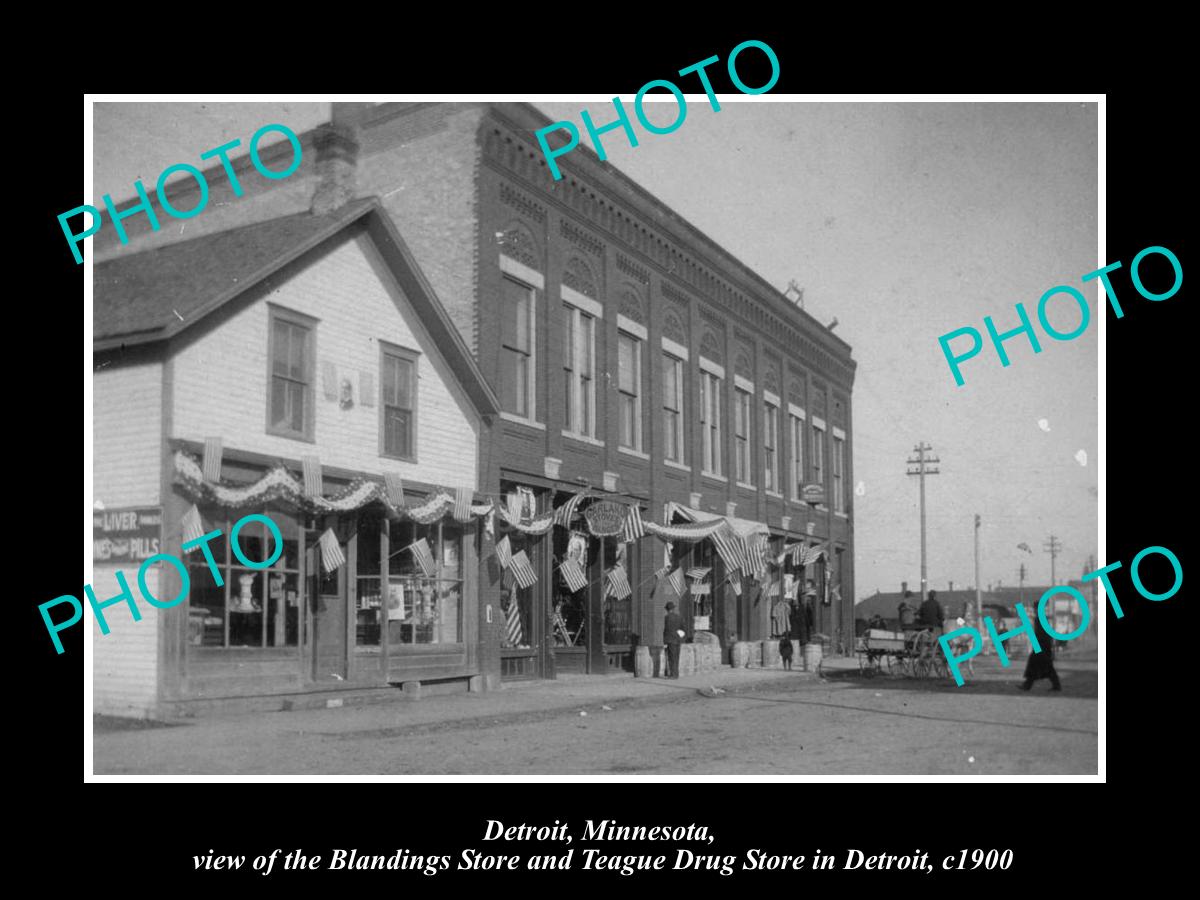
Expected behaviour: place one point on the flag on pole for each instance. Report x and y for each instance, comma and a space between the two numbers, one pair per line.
634, 528
735, 582
332, 556
676, 579
193, 528
565, 513
522, 570
462, 504
698, 572
618, 583
732, 549
423, 556
514, 632
573, 575
504, 552
212, 459
810, 555
659, 573
395, 488
757, 548
313, 485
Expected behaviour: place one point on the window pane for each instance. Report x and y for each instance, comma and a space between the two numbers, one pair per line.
625, 364
245, 608
295, 404
298, 341
279, 361
397, 433
279, 416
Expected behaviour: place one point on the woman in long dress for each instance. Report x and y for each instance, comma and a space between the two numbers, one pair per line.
1041, 665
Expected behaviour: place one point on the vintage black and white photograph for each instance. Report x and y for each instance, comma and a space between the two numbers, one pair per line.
456, 437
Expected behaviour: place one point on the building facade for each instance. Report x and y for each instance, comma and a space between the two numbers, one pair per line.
635, 362
300, 369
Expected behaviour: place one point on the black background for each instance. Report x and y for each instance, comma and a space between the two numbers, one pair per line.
147, 834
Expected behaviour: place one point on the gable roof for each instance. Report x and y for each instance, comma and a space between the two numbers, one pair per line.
154, 295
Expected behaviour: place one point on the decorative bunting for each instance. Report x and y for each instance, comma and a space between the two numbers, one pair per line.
810, 555
618, 583
573, 575
212, 459
332, 556
504, 553
313, 485
193, 528
424, 558
676, 579
698, 572
395, 488
735, 582
522, 570
634, 529
565, 513
462, 504
513, 501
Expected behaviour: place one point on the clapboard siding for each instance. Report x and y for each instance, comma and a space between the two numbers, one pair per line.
124, 661
221, 377
126, 471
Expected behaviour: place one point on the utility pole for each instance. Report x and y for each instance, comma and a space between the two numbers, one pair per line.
923, 463
1052, 546
1021, 588
978, 587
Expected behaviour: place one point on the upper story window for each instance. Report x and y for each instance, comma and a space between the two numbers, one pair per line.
839, 470
818, 451
517, 348
771, 446
291, 408
629, 387
579, 362
741, 435
398, 402
796, 427
711, 385
672, 408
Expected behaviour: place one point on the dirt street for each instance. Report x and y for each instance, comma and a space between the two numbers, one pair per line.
774, 723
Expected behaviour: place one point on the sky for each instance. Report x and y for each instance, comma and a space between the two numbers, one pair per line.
904, 221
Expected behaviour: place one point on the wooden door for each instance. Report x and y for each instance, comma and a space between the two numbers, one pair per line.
327, 635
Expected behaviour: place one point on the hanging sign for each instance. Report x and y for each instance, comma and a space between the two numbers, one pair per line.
605, 518
126, 535
813, 493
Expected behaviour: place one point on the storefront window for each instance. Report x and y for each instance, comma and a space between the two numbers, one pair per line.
425, 609
516, 603
569, 620
254, 607
368, 601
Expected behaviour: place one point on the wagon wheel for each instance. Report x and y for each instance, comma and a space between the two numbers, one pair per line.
940, 668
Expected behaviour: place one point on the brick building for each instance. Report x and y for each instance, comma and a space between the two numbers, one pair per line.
634, 359
306, 349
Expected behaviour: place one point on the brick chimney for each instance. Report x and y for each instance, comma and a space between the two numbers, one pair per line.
337, 158
903, 588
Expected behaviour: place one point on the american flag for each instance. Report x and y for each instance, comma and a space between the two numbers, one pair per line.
193, 528
661, 572
698, 572
757, 546
332, 556
792, 550
212, 459
676, 580
565, 513
573, 575
634, 528
514, 632
395, 488
522, 570
733, 550
618, 582
735, 582
462, 504
809, 555
313, 485
420, 551
504, 552
772, 589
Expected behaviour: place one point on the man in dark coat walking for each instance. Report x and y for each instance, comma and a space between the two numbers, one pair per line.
931, 613
1041, 665
672, 637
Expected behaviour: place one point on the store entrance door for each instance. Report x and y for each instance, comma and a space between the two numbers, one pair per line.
327, 634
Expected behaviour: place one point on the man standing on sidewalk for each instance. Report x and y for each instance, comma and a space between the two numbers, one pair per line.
672, 637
